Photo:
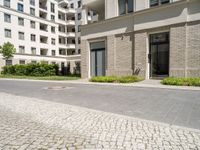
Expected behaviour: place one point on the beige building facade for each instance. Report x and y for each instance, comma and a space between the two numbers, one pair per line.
152, 39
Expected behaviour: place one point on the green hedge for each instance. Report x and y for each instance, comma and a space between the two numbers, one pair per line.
40, 69
116, 79
181, 81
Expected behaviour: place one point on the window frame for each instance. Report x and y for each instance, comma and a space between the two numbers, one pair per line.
10, 33
20, 10
126, 8
8, 20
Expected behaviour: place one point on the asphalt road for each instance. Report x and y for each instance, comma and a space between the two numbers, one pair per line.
176, 107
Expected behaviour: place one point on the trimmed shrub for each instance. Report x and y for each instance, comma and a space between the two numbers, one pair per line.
115, 79
31, 70
181, 81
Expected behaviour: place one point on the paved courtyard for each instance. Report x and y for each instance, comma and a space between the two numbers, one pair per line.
171, 106
31, 123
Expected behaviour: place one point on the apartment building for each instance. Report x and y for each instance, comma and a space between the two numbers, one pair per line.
41, 30
150, 38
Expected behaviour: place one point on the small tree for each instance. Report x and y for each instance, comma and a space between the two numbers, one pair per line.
7, 50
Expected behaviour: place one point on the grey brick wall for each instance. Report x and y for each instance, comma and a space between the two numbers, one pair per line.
84, 59
110, 53
178, 50
193, 49
119, 52
140, 53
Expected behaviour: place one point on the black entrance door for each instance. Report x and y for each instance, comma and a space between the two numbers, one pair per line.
97, 59
159, 55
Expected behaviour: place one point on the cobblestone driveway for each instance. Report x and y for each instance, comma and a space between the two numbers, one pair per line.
27, 123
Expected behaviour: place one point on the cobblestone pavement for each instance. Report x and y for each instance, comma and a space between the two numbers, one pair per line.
28, 123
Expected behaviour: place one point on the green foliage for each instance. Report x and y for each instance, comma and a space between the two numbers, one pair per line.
115, 79
39, 69
7, 50
181, 81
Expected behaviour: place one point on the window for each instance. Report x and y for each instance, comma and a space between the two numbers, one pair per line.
52, 8
79, 40
125, 6
20, 7
22, 62
79, 51
21, 49
72, 5
21, 21
158, 2
34, 62
79, 4
8, 62
62, 52
7, 18
53, 41
7, 33
33, 50
33, 37
32, 24
79, 16
21, 35
130, 6
79, 28
6, 3
53, 29
32, 2
53, 53
52, 18
32, 11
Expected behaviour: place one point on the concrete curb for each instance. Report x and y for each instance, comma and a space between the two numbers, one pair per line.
86, 82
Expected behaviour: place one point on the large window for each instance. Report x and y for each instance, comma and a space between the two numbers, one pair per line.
158, 2
20, 7
33, 50
52, 8
21, 49
33, 37
20, 21
7, 3
7, 33
32, 11
21, 35
32, 23
32, 2
7, 18
125, 6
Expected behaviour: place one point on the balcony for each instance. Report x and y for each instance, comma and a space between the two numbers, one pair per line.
43, 52
71, 46
70, 22
95, 9
44, 39
62, 2
43, 4
71, 34
43, 27
43, 14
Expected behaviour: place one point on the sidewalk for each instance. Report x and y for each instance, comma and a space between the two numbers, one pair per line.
143, 84
53, 126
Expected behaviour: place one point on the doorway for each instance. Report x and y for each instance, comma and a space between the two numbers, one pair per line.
159, 55
97, 59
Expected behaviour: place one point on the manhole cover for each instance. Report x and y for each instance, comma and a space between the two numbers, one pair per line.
57, 88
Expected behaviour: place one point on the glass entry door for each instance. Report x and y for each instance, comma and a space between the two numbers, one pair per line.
97, 59
159, 55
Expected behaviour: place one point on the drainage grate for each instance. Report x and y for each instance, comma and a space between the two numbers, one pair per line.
57, 88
